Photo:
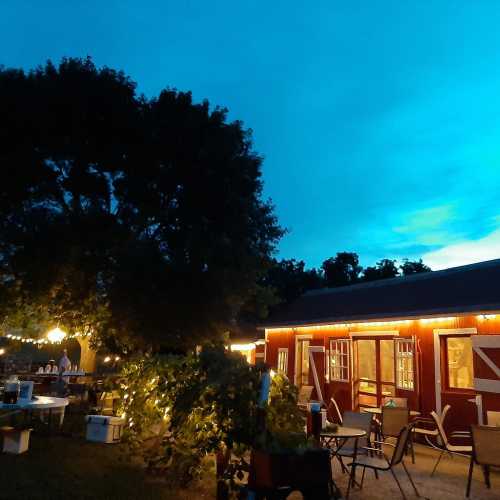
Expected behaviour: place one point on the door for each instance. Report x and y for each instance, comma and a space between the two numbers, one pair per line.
375, 375
302, 362
455, 377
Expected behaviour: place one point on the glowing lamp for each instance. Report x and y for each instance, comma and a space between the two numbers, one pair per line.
56, 335
2, 351
107, 359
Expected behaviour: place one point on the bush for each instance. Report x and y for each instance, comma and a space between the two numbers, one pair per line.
179, 409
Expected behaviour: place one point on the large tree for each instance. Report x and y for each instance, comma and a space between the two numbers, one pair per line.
139, 219
343, 269
413, 267
385, 268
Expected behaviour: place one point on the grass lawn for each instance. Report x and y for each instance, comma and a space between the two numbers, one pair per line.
67, 467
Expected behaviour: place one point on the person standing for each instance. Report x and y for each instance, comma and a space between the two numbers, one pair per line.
64, 363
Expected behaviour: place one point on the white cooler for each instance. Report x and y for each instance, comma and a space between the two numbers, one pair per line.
104, 429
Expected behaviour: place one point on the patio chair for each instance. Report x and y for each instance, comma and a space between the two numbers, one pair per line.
333, 412
446, 446
493, 418
393, 420
485, 451
392, 401
381, 462
352, 446
427, 428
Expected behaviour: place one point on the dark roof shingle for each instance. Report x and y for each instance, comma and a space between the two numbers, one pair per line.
471, 288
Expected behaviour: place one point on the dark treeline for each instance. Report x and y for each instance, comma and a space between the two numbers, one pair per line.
289, 277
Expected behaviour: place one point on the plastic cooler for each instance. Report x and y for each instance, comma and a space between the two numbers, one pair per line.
104, 429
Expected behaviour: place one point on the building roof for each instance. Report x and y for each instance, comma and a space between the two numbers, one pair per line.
458, 290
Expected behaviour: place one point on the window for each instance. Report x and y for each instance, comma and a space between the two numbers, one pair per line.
339, 360
459, 357
405, 377
283, 360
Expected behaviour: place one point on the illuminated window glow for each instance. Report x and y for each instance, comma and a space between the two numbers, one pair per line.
339, 360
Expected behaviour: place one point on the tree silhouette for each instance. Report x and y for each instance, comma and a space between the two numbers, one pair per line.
413, 267
141, 219
385, 268
343, 269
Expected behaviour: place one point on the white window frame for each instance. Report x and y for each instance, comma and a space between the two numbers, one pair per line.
343, 356
283, 360
405, 349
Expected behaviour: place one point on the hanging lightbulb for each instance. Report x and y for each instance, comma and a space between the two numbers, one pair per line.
56, 335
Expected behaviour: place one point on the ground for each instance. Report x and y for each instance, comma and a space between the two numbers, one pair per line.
448, 483
66, 466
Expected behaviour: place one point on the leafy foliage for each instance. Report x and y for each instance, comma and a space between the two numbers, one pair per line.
141, 219
413, 267
386, 268
343, 269
180, 408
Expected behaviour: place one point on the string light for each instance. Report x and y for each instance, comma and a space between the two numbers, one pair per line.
42, 341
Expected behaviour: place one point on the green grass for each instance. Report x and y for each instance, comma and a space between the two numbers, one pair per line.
68, 467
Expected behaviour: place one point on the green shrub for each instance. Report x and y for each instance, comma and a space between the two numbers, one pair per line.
179, 409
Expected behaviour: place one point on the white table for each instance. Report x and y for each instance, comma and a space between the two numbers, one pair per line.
42, 403
39, 403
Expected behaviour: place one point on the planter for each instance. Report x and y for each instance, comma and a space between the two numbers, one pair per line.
293, 469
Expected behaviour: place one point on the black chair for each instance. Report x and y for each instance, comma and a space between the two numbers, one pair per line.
380, 462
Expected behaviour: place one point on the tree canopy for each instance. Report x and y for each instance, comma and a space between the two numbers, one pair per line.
140, 219
343, 269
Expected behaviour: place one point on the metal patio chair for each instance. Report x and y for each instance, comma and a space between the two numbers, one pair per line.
427, 428
446, 446
333, 412
485, 451
393, 420
381, 462
353, 446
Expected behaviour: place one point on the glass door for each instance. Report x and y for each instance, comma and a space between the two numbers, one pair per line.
374, 370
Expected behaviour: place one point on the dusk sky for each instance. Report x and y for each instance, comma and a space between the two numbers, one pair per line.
379, 121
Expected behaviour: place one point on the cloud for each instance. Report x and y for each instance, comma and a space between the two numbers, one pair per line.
467, 252
426, 219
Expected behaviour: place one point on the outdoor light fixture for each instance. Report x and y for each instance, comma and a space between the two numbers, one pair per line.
117, 358
242, 347
107, 359
56, 335
2, 351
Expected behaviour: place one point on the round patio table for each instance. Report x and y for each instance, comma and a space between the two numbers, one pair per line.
340, 436
378, 411
35, 404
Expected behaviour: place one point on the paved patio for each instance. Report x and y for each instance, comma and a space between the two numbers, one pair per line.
448, 483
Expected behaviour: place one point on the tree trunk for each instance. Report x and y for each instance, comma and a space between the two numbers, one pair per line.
87, 355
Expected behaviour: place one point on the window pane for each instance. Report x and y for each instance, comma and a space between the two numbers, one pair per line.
404, 359
459, 350
367, 359
387, 360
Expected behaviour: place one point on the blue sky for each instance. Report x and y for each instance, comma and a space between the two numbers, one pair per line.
379, 121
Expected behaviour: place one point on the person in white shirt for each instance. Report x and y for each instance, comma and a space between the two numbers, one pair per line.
64, 363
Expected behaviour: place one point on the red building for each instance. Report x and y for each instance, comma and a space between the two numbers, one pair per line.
433, 338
